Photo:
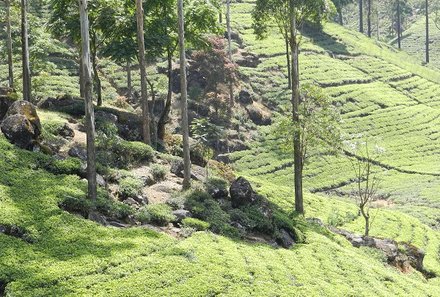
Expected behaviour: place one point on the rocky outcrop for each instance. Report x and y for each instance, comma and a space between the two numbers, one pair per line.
5, 101
258, 115
21, 125
242, 193
245, 97
248, 60
402, 255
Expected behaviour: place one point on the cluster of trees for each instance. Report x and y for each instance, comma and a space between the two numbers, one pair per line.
398, 12
126, 32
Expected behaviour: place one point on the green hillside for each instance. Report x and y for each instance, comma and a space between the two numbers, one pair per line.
382, 93
415, 37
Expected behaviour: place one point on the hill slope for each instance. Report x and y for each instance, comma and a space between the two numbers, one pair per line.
380, 92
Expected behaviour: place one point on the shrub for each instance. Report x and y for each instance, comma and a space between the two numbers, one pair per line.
68, 166
159, 172
177, 202
205, 208
143, 216
337, 219
130, 187
103, 204
196, 224
225, 171
121, 153
79, 205
160, 214
283, 221
258, 221
214, 183
134, 152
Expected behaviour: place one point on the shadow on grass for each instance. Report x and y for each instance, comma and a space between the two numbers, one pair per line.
327, 42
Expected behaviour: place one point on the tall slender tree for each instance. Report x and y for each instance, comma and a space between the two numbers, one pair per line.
291, 16
9, 45
184, 97
399, 25
369, 18
427, 30
27, 93
361, 16
340, 4
143, 71
89, 109
228, 26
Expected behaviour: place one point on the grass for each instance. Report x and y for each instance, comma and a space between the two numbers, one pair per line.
380, 93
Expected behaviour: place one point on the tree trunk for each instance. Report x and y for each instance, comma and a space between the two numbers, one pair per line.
9, 45
427, 31
399, 43
367, 221
163, 120
289, 70
341, 20
369, 18
90, 115
25, 53
96, 78
183, 91
378, 25
299, 201
231, 87
129, 88
82, 88
143, 70
361, 16
152, 116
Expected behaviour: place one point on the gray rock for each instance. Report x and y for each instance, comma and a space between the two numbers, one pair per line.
248, 60
244, 97
177, 167
181, 214
142, 200
106, 117
223, 158
19, 131
78, 152
242, 193
98, 218
21, 125
257, 116
66, 132
130, 201
100, 180
285, 239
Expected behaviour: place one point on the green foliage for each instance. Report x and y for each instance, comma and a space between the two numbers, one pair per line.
64, 166
159, 172
318, 125
130, 187
337, 219
159, 214
205, 208
83, 206
120, 153
196, 224
216, 183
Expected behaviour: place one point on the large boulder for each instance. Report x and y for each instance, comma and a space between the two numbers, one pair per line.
285, 239
242, 193
248, 60
68, 104
5, 101
259, 115
245, 97
21, 125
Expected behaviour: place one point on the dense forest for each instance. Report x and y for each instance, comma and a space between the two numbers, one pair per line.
219, 148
